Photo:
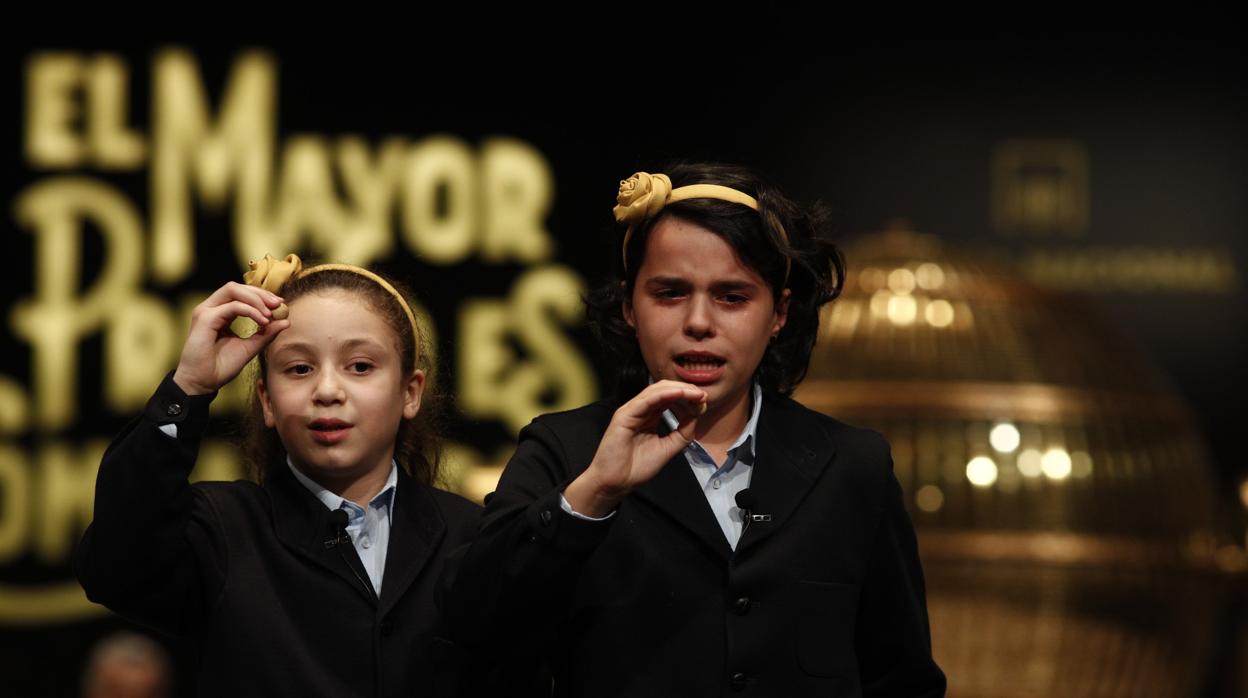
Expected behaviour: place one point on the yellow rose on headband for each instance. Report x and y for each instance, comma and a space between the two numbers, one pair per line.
271, 274
641, 196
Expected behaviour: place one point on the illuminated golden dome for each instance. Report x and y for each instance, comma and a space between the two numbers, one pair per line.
1062, 493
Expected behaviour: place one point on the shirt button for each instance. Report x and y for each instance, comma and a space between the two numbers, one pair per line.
742, 605
738, 681
366, 542
174, 409
716, 484
546, 517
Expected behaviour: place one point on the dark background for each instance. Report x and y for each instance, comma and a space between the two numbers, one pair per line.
880, 127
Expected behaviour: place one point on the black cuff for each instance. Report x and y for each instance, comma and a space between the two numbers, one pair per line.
553, 526
170, 405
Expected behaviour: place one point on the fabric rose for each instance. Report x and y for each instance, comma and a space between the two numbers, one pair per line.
641, 196
271, 274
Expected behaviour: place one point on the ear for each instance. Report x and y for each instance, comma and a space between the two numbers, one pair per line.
413, 388
262, 392
629, 316
782, 313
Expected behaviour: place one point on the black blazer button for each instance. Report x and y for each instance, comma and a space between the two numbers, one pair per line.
738, 681
387, 628
546, 517
174, 409
742, 605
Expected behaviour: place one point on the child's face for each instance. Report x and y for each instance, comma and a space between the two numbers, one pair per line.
334, 388
701, 315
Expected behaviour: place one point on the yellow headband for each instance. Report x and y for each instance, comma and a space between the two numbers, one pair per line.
271, 274
643, 196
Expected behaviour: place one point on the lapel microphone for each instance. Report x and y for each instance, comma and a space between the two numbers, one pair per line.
747, 502
338, 519
338, 524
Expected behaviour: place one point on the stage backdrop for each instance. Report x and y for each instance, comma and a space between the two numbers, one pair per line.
141, 177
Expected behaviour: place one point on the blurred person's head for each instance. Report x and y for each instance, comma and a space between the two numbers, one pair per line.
127, 665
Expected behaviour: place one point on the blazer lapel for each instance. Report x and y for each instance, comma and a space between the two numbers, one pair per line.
675, 491
416, 528
302, 524
792, 451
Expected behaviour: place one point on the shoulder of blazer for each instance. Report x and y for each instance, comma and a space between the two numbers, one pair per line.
457, 512
855, 446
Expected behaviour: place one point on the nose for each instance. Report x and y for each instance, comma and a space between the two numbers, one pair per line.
328, 388
699, 319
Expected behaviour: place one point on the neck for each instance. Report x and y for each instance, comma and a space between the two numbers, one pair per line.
359, 489
722, 424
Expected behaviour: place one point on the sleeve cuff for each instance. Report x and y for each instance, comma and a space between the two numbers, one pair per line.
563, 504
171, 406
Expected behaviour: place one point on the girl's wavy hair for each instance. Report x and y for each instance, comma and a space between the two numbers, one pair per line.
816, 270
417, 446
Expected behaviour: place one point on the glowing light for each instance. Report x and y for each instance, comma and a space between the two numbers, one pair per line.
902, 310
1004, 437
939, 313
929, 276
981, 471
1243, 493
1029, 463
901, 281
1056, 464
1080, 464
929, 498
871, 279
879, 303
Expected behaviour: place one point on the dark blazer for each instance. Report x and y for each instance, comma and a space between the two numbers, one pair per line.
825, 599
246, 571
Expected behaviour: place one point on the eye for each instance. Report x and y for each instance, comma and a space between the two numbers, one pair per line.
361, 366
668, 293
299, 369
734, 298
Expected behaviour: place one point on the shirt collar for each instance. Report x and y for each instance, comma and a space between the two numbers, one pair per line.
747, 441
334, 502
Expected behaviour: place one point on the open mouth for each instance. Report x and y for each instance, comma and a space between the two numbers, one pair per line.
329, 431
329, 425
699, 362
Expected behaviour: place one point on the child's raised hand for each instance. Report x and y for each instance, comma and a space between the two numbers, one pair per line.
213, 355
630, 452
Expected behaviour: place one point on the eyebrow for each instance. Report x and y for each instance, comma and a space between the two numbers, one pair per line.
724, 285
350, 344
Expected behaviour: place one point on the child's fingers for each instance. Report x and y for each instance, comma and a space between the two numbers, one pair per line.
659, 397
258, 341
222, 315
234, 291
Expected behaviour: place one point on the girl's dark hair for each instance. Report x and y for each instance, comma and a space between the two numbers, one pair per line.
417, 447
816, 272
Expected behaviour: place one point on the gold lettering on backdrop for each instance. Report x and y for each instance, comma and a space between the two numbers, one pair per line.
1136, 269
57, 319
496, 383
519, 190
14, 501
338, 197
66, 497
54, 109
14, 407
439, 200
140, 343
1040, 187
112, 144
371, 182
190, 149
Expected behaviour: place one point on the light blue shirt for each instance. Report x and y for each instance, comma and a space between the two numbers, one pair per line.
369, 528
720, 481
